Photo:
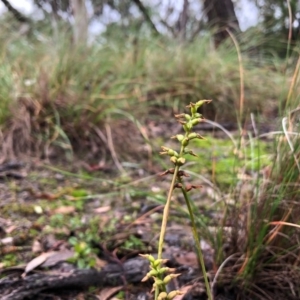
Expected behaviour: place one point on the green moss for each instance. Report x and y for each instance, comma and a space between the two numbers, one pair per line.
9, 260
133, 243
24, 209
223, 162
77, 193
58, 220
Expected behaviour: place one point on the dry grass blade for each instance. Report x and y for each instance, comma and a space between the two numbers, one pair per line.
284, 126
278, 227
293, 83
112, 149
284, 223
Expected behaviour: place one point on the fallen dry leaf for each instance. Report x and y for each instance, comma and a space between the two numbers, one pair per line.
100, 263
104, 221
186, 258
36, 246
11, 228
48, 259
103, 209
106, 293
36, 262
7, 241
58, 256
64, 210
183, 290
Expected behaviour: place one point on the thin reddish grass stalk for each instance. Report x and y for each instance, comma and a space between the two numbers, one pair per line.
278, 228
284, 223
293, 83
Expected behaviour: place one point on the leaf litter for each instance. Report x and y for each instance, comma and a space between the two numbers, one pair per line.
100, 226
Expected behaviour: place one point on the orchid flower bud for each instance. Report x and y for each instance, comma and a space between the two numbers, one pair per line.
196, 121
195, 135
173, 294
168, 278
181, 161
179, 137
162, 296
185, 142
201, 102
173, 159
187, 117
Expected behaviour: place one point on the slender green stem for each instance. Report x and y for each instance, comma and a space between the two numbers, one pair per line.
166, 214
164, 221
197, 241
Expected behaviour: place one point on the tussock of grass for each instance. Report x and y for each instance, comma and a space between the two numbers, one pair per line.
258, 248
53, 94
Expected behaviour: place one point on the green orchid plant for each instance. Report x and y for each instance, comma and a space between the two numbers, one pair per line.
160, 274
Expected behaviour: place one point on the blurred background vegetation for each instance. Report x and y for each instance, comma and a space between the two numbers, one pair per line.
69, 65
